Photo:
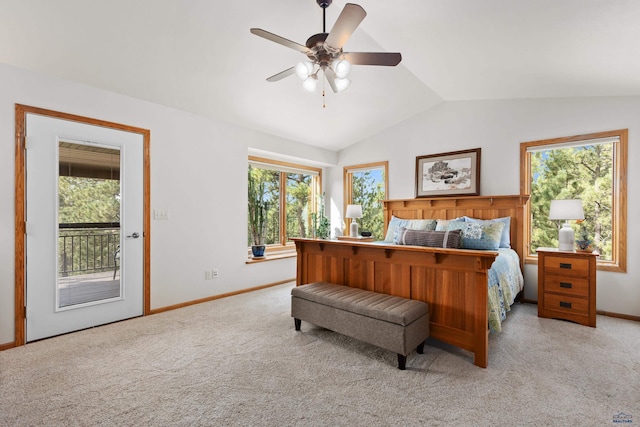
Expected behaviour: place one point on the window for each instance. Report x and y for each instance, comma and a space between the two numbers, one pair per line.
592, 168
290, 195
367, 185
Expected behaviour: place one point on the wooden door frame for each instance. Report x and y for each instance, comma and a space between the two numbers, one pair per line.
21, 112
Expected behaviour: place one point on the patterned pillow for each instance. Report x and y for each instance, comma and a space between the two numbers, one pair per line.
434, 239
505, 238
443, 224
412, 224
479, 235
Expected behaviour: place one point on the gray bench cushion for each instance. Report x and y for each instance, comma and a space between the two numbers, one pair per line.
401, 311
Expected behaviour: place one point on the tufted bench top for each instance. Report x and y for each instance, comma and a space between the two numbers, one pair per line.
389, 308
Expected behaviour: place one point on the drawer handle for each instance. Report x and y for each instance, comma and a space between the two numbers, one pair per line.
566, 285
565, 265
565, 304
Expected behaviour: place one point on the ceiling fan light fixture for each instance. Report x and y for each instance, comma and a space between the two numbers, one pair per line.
342, 84
310, 83
304, 70
342, 68
324, 51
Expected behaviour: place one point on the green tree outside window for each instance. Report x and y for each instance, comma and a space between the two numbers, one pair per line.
290, 195
582, 172
365, 185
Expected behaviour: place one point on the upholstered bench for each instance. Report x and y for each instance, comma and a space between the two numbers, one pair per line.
393, 323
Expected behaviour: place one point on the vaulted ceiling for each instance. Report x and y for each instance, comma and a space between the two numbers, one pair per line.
199, 56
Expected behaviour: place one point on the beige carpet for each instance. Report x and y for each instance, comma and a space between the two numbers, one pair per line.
239, 361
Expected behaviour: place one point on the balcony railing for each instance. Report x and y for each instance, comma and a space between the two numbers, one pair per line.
87, 248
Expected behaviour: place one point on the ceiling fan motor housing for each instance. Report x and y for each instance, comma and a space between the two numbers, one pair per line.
324, 3
320, 53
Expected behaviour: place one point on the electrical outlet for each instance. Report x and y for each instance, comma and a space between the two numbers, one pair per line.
214, 273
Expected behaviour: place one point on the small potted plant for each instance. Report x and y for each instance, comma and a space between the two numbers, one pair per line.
258, 208
583, 242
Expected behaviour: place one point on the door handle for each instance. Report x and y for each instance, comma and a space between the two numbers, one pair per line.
133, 236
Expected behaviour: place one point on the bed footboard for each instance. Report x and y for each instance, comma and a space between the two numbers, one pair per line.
452, 281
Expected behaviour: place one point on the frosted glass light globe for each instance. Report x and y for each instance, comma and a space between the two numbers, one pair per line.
342, 68
304, 70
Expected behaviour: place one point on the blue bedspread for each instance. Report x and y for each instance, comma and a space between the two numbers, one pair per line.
505, 281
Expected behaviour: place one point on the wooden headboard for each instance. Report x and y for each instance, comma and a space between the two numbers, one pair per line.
481, 207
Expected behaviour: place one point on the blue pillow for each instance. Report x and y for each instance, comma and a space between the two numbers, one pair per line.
505, 238
483, 235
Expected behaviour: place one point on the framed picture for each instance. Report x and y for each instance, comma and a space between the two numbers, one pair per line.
448, 174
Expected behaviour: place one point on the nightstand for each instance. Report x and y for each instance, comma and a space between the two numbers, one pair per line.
567, 285
356, 239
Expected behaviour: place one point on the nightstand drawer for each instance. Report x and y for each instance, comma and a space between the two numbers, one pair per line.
565, 303
568, 266
567, 285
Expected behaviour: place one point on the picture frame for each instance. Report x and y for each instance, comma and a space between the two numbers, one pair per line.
448, 174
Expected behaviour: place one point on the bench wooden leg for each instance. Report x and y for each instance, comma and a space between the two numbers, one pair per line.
402, 361
297, 322
420, 348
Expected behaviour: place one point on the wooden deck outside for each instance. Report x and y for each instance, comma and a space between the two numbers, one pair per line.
73, 290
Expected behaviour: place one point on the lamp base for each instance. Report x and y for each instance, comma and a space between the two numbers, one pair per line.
566, 238
353, 230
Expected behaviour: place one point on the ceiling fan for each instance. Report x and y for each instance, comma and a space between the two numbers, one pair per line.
324, 51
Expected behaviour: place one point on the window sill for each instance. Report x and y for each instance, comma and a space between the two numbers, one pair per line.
273, 257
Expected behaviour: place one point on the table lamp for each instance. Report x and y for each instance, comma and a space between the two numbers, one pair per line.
566, 210
354, 212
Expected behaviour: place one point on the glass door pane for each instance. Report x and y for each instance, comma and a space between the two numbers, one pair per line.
88, 225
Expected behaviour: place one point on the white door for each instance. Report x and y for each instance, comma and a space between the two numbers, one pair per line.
108, 285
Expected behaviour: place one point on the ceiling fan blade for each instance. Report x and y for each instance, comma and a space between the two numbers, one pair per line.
282, 74
373, 58
349, 19
331, 78
281, 40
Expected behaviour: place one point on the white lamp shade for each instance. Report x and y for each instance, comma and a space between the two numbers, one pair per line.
342, 68
354, 211
566, 209
304, 69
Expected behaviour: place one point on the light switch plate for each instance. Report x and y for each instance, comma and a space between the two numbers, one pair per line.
160, 214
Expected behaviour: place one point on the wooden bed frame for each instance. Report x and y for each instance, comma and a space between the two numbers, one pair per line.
452, 281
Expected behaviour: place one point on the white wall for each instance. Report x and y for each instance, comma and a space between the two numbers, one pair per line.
198, 173
498, 127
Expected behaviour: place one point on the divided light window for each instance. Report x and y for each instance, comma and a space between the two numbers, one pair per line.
592, 168
367, 185
292, 192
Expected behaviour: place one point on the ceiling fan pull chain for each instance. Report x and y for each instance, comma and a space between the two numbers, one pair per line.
324, 99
